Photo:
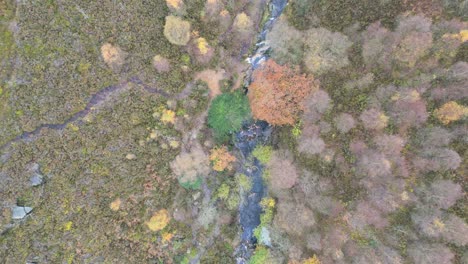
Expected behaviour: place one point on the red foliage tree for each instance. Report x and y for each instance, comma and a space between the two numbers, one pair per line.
277, 93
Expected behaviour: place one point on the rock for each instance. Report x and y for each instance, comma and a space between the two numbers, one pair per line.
196, 196
19, 212
36, 179
130, 156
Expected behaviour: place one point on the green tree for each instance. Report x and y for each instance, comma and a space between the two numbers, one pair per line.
226, 114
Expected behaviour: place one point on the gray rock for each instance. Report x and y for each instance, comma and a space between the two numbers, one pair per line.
36, 179
19, 212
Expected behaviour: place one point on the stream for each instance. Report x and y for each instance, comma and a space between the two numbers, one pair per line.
95, 100
245, 141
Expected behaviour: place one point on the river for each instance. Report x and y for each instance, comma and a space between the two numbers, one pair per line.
245, 141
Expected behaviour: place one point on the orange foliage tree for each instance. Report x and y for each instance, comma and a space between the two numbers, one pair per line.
221, 159
277, 93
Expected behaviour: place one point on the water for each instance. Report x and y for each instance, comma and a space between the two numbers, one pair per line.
94, 101
246, 140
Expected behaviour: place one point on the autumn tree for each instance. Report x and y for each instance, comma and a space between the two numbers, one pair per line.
451, 112
277, 93
221, 159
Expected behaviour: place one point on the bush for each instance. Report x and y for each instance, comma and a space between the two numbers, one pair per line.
226, 114
260, 256
262, 153
193, 184
177, 31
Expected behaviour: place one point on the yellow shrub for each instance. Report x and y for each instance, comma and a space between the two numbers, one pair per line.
450, 112
176, 4
242, 22
168, 116
159, 220
312, 260
115, 205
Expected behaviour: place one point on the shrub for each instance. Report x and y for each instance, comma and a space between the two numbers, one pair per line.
174, 4
193, 184
260, 256
221, 159
201, 50
242, 22
112, 55
312, 260
243, 182
277, 93
223, 191
262, 153
226, 114
177, 31
168, 116
161, 64
159, 220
